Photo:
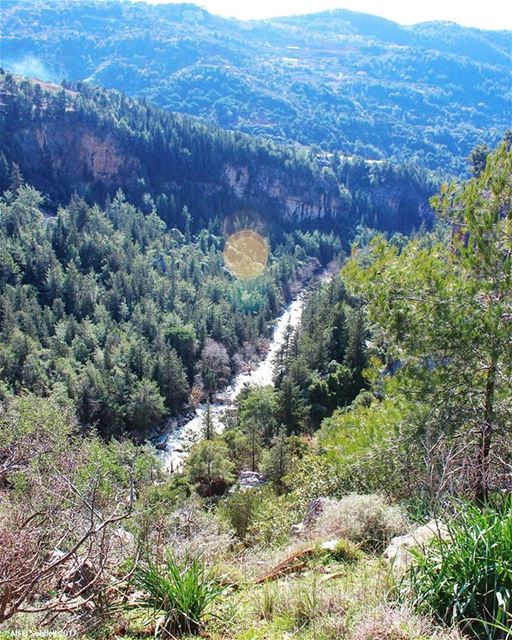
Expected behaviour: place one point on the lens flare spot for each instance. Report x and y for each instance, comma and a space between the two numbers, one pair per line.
246, 254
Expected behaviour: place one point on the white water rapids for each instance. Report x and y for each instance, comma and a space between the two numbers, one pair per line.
178, 439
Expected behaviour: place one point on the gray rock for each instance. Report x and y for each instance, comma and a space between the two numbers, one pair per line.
398, 552
161, 445
250, 480
314, 510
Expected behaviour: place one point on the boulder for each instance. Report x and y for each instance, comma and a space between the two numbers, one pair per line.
398, 552
162, 445
251, 480
296, 530
313, 512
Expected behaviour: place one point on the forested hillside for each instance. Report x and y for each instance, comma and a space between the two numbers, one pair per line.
255, 351
392, 521
92, 142
347, 82
108, 310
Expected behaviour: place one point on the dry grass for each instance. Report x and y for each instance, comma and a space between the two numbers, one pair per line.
367, 520
391, 623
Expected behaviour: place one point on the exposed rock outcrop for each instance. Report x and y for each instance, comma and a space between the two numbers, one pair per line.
75, 154
313, 511
249, 480
398, 553
93, 143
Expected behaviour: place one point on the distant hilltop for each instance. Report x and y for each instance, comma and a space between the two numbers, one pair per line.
346, 82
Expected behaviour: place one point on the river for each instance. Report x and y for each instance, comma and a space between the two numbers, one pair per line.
178, 439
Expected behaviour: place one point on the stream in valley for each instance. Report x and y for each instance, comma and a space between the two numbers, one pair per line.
177, 438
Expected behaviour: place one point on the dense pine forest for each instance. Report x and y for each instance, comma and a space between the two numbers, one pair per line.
106, 308
255, 381
83, 139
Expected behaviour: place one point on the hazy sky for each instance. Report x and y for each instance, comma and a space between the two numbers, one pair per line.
486, 14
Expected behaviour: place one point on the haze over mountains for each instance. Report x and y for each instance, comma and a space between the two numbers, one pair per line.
340, 80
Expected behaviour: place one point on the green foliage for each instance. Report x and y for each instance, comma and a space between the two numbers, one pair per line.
164, 497
273, 520
309, 476
279, 458
62, 493
208, 465
354, 82
182, 593
321, 367
240, 510
108, 311
441, 312
478, 159
145, 407
291, 409
365, 443
345, 552
241, 449
258, 421
465, 578
258, 410
367, 520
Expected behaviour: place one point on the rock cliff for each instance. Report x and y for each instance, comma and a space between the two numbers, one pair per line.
94, 142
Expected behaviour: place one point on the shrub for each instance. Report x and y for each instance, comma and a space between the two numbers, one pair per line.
367, 520
195, 532
240, 510
343, 551
181, 593
273, 520
346, 551
467, 577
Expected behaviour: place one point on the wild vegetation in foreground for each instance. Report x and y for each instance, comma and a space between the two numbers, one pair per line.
98, 540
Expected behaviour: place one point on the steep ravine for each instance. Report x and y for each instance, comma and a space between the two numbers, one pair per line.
93, 142
178, 437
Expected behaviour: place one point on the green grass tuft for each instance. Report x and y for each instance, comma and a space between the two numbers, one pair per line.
466, 578
178, 595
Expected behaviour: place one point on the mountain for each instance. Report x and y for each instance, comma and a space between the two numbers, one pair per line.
344, 81
92, 142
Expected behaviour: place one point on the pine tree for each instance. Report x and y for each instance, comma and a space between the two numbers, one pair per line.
208, 424
291, 408
15, 177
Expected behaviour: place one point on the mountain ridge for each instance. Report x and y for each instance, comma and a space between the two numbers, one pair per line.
354, 84
93, 142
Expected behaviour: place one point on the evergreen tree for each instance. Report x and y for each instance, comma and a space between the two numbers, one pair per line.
444, 311
208, 425
291, 408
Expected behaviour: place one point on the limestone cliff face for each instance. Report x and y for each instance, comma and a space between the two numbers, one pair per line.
74, 153
297, 202
56, 152
92, 142
172, 162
